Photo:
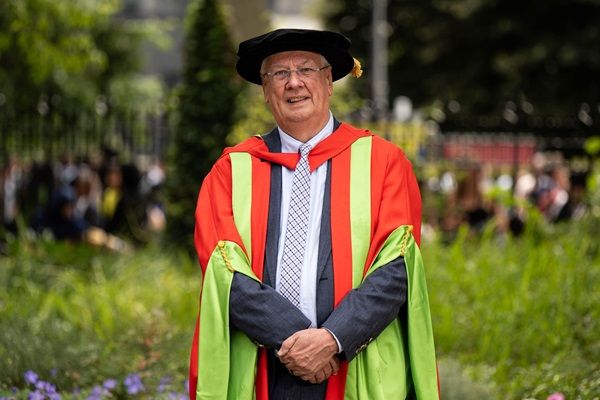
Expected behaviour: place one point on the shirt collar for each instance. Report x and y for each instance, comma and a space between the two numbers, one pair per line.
291, 145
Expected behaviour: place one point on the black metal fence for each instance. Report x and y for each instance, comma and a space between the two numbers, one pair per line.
566, 135
45, 137
137, 136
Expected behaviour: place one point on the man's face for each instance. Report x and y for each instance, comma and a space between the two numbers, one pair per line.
299, 99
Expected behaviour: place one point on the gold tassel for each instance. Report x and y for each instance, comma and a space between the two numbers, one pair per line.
356, 70
405, 240
225, 259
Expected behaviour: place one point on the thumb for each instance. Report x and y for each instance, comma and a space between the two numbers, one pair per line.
287, 345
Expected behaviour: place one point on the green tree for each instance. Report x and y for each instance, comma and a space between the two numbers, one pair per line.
484, 53
204, 114
65, 56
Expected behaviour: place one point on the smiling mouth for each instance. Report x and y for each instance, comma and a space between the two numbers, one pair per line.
294, 100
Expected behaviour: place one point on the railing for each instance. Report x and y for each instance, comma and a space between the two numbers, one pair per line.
137, 137
131, 135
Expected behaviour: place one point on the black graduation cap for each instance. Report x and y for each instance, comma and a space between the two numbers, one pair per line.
332, 45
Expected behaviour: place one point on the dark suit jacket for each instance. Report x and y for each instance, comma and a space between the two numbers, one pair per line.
268, 318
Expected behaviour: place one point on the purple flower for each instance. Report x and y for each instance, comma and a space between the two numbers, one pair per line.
134, 384
31, 377
42, 388
45, 387
177, 396
96, 393
35, 396
186, 384
163, 384
556, 396
109, 384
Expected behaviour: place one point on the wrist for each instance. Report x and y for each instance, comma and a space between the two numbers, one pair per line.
331, 343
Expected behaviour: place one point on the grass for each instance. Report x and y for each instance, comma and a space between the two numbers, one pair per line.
514, 318
525, 310
78, 316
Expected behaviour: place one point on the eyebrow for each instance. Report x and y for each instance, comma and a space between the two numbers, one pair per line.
277, 65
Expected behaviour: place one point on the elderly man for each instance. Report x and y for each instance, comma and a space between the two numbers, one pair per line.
313, 285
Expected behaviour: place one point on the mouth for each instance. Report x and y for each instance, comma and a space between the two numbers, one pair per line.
297, 99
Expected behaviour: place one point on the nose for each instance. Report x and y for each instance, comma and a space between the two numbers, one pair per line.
294, 80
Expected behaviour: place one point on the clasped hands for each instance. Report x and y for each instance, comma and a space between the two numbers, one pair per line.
310, 355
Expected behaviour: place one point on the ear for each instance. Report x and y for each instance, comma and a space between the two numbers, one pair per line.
264, 89
329, 83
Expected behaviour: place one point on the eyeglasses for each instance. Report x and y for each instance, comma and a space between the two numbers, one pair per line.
283, 75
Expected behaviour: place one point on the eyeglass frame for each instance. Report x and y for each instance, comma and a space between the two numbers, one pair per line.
289, 72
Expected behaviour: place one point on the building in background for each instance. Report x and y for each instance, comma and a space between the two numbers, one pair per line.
165, 63
294, 14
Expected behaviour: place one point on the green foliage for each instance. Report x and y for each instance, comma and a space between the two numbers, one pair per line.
520, 305
514, 318
64, 55
458, 382
204, 108
344, 100
90, 316
256, 118
482, 53
592, 146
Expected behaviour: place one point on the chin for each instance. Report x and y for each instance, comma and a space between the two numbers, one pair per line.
299, 117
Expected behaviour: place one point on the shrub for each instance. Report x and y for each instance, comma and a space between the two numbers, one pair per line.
102, 317
513, 317
521, 306
204, 112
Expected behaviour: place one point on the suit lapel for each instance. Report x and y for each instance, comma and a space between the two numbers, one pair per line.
273, 142
325, 234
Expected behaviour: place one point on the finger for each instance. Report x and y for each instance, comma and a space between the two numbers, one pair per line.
287, 345
291, 365
301, 371
307, 377
314, 378
335, 365
327, 370
320, 376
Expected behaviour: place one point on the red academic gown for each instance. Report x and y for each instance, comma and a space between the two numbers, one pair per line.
395, 201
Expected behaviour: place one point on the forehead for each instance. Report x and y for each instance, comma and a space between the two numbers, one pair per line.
292, 57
